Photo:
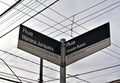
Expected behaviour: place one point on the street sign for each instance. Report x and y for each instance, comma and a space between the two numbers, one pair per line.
76, 48
39, 44
88, 43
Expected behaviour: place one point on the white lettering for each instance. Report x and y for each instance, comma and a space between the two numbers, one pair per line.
27, 32
71, 50
45, 46
24, 37
76, 47
70, 43
81, 45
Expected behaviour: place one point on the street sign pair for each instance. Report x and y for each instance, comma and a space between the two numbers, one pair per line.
77, 48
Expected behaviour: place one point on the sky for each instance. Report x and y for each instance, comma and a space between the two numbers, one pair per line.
64, 19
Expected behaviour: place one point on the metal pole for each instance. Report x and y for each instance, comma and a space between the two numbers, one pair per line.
41, 71
63, 62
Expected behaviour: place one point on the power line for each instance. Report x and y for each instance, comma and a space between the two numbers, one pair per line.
34, 18
28, 71
92, 17
80, 79
11, 70
82, 11
47, 18
21, 9
11, 76
29, 18
10, 8
68, 18
98, 70
19, 17
89, 72
64, 16
27, 60
103, 75
111, 55
31, 62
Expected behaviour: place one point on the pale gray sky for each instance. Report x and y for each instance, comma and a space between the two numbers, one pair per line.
56, 22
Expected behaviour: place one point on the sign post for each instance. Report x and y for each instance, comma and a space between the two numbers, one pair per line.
65, 52
63, 62
41, 71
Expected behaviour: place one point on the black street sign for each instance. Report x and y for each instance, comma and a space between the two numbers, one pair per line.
76, 48
88, 43
39, 44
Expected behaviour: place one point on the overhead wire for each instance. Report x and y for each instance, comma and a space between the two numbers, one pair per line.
45, 17
68, 18
98, 16
92, 17
21, 9
61, 21
84, 11
72, 26
22, 69
58, 71
27, 60
89, 72
19, 17
81, 79
31, 62
11, 76
103, 75
11, 70
10, 8
30, 18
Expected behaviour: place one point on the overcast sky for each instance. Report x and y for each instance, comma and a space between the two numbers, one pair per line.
56, 22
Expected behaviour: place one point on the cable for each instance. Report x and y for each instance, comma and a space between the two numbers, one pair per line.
89, 72
10, 8
29, 18
72, 26
9, 80
42, 1
115, 45
45, 22
111, 55
18, 11
27, 60
11, 70
93, 17
103, 75
113, 51
61, 21
98, 70
31, 62
84, 10
8, 75
72, 15
28, 71
80, 79
17, 18
47, 18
